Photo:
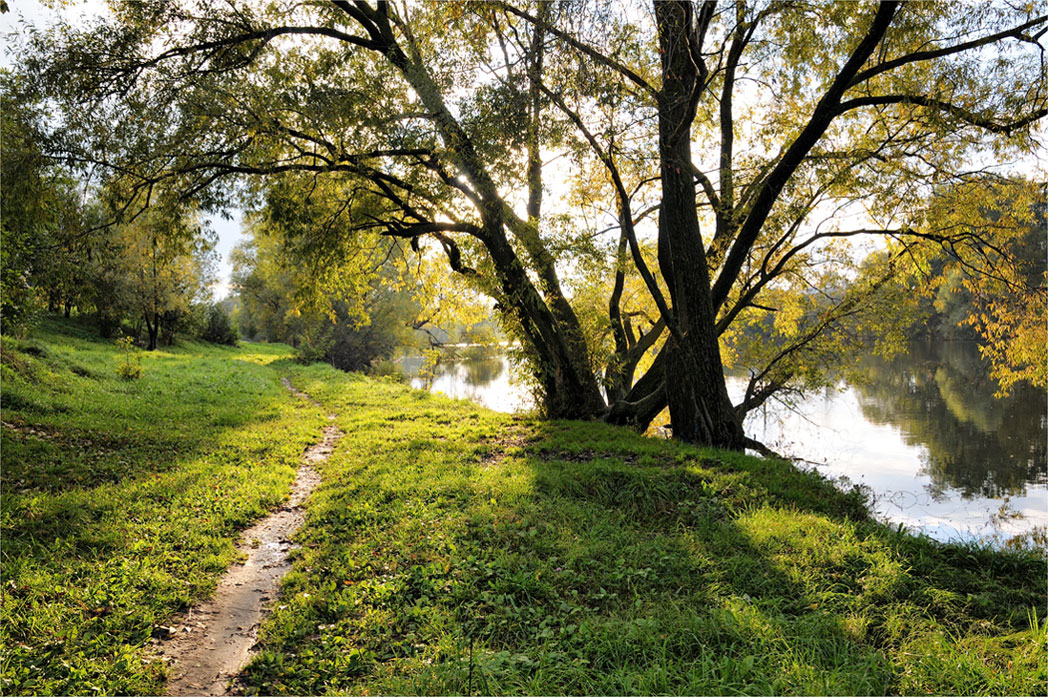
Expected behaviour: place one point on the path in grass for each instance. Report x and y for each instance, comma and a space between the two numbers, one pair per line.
214, 640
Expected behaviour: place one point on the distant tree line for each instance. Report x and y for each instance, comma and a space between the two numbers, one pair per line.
987, 279
355, 314
66, 249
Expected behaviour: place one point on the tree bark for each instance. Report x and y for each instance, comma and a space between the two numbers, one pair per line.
153, 330
550, 326
694, 376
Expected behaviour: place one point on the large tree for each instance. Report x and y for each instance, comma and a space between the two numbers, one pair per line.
729, 131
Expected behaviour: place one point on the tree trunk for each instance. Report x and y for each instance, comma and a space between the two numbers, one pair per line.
153, 330
569, 387
694, 376
550, 327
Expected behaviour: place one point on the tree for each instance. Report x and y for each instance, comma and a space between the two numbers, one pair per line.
754, 120
989, 273
155, 267
218, 327
38, 203
381, 297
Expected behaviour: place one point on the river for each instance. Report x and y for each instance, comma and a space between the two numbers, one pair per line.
923, 432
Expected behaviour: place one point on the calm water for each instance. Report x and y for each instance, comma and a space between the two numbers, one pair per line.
923, 432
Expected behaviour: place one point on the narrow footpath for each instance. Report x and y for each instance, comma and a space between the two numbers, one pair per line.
213, 642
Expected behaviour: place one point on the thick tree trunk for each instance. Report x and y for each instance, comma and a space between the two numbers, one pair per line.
569, 387
549, 325
694, 376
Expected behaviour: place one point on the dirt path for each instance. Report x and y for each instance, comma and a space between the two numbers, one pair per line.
213, 642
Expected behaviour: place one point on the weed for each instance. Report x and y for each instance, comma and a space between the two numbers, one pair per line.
131, 368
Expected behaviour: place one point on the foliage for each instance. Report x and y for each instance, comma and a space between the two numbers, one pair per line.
165, 265
70, 243
395, 300
1009, 282
989, 274
131, 368
218, 326
744, 142
37, 205
427, 371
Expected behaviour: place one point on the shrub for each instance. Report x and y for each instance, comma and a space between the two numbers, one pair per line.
130, 369
218, 326
386, 369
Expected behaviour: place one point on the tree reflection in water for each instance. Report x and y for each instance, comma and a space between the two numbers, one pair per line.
942, 398
480, 372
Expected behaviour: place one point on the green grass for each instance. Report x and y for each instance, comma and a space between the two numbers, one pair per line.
582, 558
121, 499
562, 557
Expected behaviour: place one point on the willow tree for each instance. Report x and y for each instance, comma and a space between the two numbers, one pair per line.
726, 131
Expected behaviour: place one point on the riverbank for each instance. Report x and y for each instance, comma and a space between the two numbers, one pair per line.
452, 549
925, 434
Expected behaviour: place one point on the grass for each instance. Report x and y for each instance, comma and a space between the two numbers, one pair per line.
120, 499
580, 558
451, 549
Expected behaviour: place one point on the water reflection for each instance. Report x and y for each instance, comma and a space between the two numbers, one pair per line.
487, 379
480, 371
923, 432
941, 398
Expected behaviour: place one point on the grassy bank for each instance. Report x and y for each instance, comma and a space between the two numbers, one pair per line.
120, 499
581, 558
452, 549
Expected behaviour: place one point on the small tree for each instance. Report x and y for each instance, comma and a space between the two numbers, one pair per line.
218, 326
130, 369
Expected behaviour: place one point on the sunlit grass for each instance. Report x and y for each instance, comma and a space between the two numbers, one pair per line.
121, 498
581, 558
451, 549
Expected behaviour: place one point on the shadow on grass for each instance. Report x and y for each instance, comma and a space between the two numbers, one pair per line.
120, 501
451, 548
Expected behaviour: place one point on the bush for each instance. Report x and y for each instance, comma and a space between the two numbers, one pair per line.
218, 327
386, 369
130, 369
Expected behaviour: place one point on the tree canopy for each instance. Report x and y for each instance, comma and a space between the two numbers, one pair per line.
708, 159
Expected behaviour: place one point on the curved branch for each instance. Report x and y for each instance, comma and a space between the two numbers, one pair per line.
959, 112
625, 214
582, 48
1015, 32
771, 187
263, 35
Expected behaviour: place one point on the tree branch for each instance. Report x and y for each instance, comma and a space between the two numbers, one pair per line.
583, 48
961, 113
771, 187
1015, 32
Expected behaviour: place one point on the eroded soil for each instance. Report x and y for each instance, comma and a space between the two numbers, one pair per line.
213, 640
